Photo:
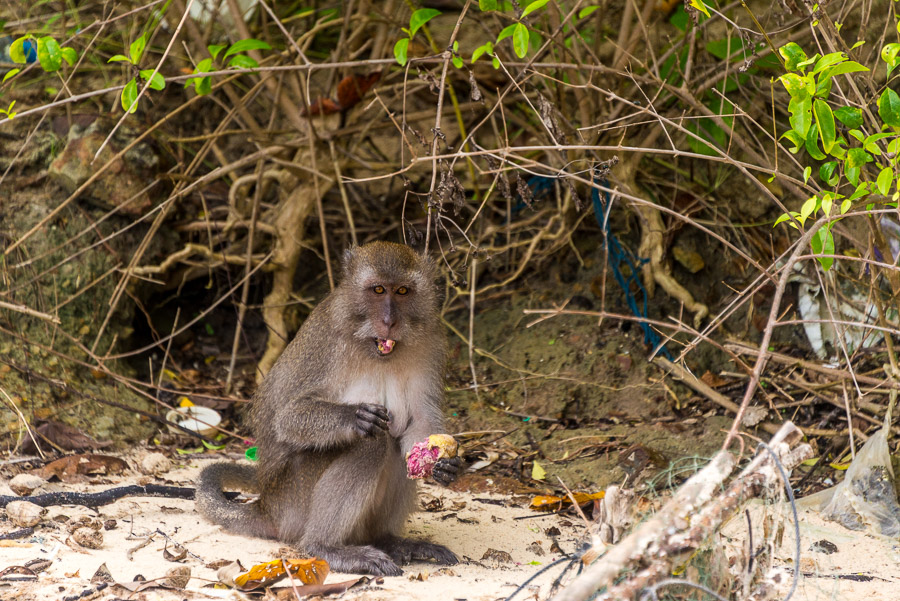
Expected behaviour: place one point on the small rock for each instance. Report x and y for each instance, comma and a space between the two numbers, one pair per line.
823, 546
496, 557
155, 464
25, 513
24, 484
88, 537
689, 259
535, 548
110, 525
178, 577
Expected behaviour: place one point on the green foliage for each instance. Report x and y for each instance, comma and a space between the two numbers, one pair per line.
203, 85
808, 82
49, 53
10, 114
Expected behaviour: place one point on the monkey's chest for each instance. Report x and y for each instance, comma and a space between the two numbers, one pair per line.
396, 393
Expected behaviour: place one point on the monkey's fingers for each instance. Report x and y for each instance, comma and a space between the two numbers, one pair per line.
446, 470
371, 418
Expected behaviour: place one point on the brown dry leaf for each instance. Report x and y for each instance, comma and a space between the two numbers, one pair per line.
175, 557
308, 571
713, 380
286, 593
63, 436
72, 467
352, 88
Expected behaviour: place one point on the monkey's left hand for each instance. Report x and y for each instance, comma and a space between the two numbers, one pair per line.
447, 469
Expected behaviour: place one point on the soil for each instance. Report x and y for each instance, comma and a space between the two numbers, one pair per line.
499, 541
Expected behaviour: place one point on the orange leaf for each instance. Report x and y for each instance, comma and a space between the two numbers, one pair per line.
551, 503
307, 571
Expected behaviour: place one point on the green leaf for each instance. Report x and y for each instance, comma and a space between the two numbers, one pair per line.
796, 139
823, 87
796, 85
698, 4
889, 55
203, 85
587, 11
457, 62
828, 60
17, 50
484, 48
812, 144
784, 217
808, 208
827, 202
537, 4
49, 54
506, 32
129, 96
851, 173
242, 61
495, 62
252, 454
420, 17
119, 58
136, 50
157, 83
889, 108
520, 40
215, 49
825, 124
245, 45
400, 49
9, 74
827, 173
885, 178
486, 5
822, 243
203, 66
69, 55
793, 55
806, 173
857, 157
845, 67
801, 115
849, 116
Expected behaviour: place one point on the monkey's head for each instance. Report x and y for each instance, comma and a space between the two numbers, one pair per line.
388, 294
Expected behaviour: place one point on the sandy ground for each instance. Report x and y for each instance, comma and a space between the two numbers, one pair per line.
469, 526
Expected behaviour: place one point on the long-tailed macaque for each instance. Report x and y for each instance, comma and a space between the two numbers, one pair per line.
359, 385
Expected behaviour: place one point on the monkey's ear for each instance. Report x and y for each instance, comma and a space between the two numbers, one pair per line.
346, 259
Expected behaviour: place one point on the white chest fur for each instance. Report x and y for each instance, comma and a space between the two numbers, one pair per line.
397, 392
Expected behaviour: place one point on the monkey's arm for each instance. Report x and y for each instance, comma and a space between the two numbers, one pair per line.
318, 424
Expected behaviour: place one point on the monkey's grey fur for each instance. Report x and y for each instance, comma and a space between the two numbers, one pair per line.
334, 419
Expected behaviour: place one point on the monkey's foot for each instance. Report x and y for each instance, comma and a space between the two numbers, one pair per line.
405, 550
355, 559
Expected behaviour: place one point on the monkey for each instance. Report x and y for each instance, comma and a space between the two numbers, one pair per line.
357, 387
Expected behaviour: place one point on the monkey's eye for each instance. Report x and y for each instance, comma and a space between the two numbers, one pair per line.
402, 290
378, 289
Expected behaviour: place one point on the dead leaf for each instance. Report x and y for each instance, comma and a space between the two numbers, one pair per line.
175, 557
308, 571
552, 503
102, 575
18, 571
61, 435
496, 557
72, 468
352, 88
713, 380
286, 593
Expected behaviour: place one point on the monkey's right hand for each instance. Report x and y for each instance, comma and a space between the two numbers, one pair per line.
371, 418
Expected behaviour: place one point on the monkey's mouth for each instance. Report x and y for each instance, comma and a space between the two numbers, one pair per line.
384, 346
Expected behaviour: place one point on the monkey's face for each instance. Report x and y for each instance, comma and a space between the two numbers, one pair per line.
388, 295
389, 314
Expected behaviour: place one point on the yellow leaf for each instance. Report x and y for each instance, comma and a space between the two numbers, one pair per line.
307, 571
538, 472
185, 402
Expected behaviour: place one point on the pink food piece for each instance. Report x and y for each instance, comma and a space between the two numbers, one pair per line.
421, 459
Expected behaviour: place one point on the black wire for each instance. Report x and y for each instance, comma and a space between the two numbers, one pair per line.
544, 569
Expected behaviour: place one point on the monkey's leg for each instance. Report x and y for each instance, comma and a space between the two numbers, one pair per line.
398, 503
343, 510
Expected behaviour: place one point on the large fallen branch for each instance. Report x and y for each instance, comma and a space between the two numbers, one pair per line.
692, 515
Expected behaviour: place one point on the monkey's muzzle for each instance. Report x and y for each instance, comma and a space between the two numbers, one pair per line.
384, 345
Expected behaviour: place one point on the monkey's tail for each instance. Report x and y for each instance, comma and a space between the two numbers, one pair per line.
240, 518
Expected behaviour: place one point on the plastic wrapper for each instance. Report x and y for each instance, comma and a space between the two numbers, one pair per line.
865, 498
